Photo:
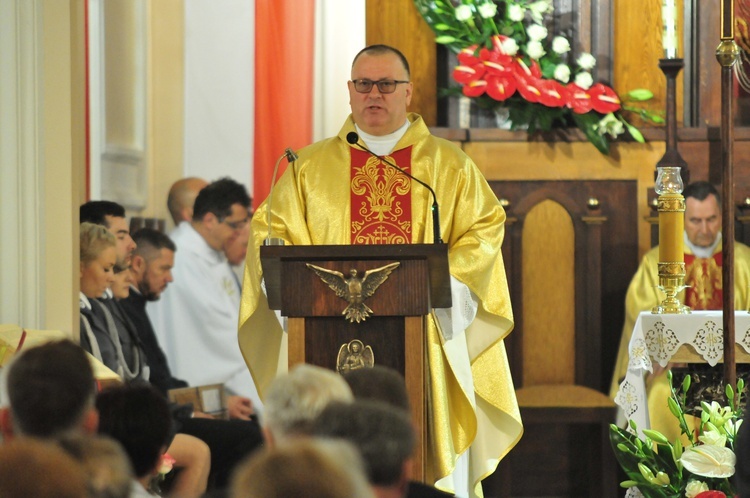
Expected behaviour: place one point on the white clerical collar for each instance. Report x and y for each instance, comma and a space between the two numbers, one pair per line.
382, 145
702, 252
84, 301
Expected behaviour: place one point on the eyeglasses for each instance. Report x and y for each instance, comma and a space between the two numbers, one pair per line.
236, 225
384, 86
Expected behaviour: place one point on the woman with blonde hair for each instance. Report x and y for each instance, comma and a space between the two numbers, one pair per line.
97, 258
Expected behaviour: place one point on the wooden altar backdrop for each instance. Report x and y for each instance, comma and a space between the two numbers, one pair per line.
516, 164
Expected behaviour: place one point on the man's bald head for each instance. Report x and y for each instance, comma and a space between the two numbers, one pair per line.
182, 197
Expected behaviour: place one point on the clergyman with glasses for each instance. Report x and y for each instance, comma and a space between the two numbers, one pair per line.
196, 318
339, 193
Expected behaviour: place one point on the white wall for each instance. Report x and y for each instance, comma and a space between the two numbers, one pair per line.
219, 88
339, 35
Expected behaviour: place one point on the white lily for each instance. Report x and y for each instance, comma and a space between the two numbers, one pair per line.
611, 125
714, 438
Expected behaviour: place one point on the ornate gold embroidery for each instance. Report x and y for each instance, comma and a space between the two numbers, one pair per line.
704, 277
381, 200
381, 204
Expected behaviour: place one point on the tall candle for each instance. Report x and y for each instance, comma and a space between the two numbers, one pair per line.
669, 21
671, 228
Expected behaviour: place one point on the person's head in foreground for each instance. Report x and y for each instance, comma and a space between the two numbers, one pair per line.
30, 468
306, 468
51, 392
107, 467
296, 398
384, 436
138, 417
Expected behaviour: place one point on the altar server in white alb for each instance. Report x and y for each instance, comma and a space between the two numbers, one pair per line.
196, 317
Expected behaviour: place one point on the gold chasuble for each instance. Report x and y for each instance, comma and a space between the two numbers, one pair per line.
703, 275
336, 194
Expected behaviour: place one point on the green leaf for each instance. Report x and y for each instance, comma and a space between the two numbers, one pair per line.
442, 27
656, 118
640, 94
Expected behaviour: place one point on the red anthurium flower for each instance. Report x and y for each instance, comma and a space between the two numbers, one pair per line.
467, 74
500, 87
475, 88
553, 94
536, 71
533, 71
466, 56
711, 494
579, 99
528, 85
498, 64
604, 99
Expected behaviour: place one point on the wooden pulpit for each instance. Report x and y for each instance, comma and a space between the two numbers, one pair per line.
395, 330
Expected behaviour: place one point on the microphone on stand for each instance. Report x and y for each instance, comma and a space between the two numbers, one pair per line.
291, 156
353, 138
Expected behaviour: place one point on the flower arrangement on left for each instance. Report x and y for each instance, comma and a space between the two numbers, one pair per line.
506, 60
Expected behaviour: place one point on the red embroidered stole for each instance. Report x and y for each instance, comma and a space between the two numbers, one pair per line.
380, 198
703, 275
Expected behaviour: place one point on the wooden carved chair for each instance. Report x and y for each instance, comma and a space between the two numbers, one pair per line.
553, 258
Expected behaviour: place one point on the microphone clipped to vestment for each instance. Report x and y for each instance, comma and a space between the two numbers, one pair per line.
353, 139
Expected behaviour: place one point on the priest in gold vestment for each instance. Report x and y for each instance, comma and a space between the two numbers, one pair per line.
703, 263
339, 194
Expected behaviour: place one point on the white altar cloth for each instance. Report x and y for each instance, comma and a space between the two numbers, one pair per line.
658, 337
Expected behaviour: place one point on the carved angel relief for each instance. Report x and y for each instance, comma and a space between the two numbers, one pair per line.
354, 289
353, 356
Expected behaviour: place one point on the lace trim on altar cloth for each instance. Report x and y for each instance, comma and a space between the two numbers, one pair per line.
658, 337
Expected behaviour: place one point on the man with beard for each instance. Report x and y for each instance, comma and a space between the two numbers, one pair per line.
229, 440
151, 271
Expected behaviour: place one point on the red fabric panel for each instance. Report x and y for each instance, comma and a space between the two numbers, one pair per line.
284, 47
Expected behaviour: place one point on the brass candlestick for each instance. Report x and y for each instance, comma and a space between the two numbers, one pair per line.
671, 267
